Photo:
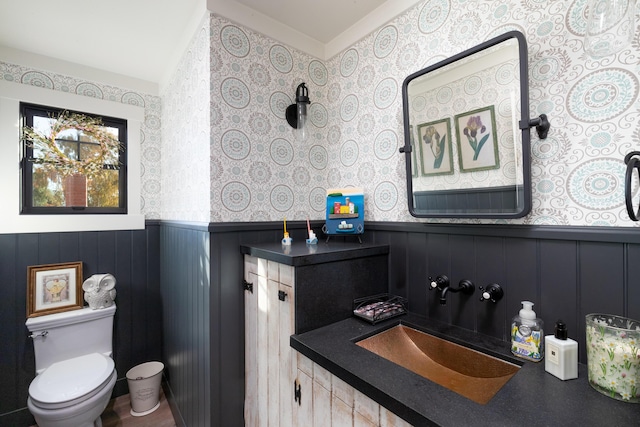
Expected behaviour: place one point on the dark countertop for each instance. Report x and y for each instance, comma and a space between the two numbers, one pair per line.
532, 397
299, 253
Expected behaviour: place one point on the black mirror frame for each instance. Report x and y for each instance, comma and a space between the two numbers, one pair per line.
541, 123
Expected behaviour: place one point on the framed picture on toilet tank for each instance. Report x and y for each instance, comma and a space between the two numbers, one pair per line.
53, 288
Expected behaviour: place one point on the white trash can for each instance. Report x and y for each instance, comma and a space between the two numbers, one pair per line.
144, 387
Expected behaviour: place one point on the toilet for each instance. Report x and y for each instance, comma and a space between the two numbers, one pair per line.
75, 372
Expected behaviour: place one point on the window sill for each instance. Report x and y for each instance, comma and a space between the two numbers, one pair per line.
68, 223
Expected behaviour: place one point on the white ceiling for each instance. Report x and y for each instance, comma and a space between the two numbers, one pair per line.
322, 20
142, 38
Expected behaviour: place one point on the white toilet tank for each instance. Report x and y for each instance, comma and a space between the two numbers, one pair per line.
71, 334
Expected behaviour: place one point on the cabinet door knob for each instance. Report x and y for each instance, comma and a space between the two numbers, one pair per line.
282, 295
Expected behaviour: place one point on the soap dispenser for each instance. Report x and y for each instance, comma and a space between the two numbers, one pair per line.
562, 354
527, 333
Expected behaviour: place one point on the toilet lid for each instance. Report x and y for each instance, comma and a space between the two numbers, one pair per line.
71, 378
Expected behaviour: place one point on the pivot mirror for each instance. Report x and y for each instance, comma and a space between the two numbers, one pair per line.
467, 141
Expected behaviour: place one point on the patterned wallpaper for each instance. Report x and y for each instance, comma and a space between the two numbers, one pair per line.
185, 134
577, 172
150, 130
257, 171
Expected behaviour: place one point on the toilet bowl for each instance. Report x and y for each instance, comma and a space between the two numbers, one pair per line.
73, 393
75, 371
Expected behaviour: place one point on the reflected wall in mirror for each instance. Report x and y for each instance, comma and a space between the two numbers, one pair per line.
466, 123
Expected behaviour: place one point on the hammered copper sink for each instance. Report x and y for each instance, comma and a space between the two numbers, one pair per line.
470, 373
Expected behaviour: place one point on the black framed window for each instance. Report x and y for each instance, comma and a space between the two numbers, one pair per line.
46, 191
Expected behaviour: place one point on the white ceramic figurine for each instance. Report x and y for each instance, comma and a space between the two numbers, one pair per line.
99, 290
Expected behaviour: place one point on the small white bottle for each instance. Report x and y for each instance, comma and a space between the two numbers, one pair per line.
562, 354
527, 336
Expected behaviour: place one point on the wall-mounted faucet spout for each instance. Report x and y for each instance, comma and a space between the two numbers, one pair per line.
443, 295
465, 286
440, 283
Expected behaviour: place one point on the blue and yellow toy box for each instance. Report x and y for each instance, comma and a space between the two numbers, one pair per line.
345, 211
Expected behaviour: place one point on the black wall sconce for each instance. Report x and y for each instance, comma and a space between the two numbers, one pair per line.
297, 113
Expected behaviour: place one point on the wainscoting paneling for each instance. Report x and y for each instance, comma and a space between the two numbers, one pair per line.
415, 270
227, 297
180, 297
128, 255
567, 272
632, 281
203, 316
185, 287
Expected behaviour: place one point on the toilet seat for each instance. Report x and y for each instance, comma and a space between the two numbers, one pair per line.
71, 381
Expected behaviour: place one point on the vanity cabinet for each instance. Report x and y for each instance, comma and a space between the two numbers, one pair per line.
290, 291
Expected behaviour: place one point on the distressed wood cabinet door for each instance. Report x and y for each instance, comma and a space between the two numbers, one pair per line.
270, 365
251, 342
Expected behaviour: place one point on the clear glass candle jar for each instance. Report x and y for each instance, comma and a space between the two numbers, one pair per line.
613, 356
610, 26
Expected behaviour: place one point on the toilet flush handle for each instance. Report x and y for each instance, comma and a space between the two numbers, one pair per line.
42, 334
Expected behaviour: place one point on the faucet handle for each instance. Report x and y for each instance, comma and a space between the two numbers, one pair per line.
493, 292
440, 282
